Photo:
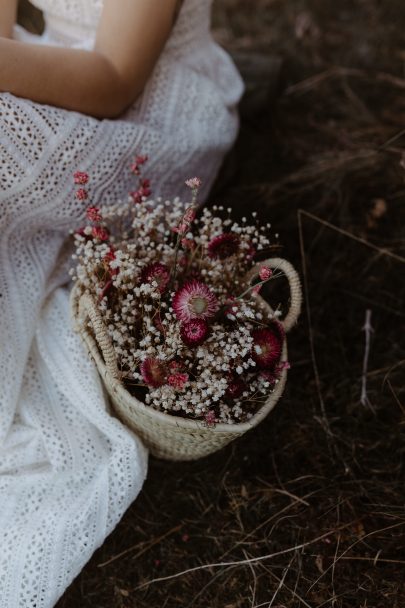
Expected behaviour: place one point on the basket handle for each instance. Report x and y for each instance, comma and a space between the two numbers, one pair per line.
88, 312
295, 287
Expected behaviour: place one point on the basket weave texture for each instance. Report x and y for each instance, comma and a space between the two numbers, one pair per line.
167, 436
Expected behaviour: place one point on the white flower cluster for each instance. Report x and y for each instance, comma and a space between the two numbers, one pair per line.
219, 380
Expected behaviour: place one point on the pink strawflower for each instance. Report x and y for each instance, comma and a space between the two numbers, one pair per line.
141, 160
81, 178
265, 273
156, 272
210, 418
194, 332
235, 388
93, 214
153, 372
178, 380
267, 346
223, 246
193, 183
100, 233
194, 300
82, 194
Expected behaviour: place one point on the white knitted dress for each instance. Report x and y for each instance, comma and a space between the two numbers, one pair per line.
68, 470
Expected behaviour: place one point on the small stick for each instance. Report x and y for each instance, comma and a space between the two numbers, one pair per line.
364, 400
149, 546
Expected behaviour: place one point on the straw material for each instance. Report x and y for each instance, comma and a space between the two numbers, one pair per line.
168, 436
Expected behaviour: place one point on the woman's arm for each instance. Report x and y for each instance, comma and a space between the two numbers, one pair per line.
8, 16
103, 82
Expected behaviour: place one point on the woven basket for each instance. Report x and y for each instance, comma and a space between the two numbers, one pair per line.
167, 436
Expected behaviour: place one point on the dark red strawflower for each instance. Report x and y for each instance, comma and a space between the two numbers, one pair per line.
156, 272
268, 342
153, 372
236, 387
194, 332
223, 246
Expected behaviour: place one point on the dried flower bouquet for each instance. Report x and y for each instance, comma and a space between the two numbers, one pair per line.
184, 329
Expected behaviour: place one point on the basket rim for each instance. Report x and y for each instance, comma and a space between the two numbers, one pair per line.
166, 418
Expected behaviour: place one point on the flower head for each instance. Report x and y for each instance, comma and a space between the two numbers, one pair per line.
156, 272
100, 233
194, 332
223, 246
267, 345
81, 178
265, 273
82, 194
139, 160
177, 380
153, 372
193, 183
93, 214
194, 300
210, 418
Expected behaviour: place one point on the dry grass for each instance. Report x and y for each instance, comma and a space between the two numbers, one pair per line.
308, 509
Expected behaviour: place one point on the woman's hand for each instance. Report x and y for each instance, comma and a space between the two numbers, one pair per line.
103, 82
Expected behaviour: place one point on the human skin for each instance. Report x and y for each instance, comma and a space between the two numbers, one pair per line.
102, 82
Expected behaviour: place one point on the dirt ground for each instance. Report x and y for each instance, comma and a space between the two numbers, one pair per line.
308, 509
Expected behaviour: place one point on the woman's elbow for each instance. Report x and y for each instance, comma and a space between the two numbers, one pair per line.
115, 102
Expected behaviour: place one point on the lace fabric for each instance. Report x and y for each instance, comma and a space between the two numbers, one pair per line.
68, 470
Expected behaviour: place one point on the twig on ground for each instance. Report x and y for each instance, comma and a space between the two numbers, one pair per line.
367, 328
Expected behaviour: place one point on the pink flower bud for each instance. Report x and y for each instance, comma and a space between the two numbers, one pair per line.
194, 183
82, 194
136, 196
93, 214
256, 289
81, 178
141, 160
100, 233
265, 273
177, 380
